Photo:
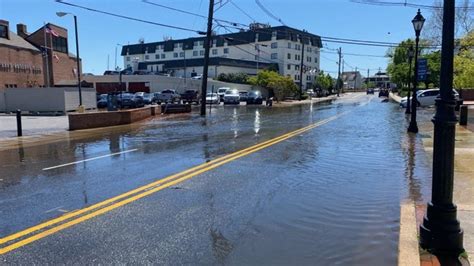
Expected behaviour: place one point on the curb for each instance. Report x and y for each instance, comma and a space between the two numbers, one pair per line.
408, 250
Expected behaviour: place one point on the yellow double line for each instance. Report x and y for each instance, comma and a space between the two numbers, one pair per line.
67, 220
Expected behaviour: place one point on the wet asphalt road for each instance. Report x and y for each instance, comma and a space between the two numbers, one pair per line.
330, 195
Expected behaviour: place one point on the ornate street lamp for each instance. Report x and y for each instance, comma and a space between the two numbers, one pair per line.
418, 22
441, 232
411, 53
62, 14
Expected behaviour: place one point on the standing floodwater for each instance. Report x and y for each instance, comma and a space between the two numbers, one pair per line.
330, 195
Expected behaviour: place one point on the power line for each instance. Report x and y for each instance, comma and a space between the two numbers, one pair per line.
129, 18
270, 14
190, 13
402, 4
241, 10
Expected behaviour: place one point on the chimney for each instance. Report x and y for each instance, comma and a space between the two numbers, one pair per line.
21, 30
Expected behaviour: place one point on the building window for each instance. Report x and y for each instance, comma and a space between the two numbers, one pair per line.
201, 53
147, 57
296, 57
308, 77
175, 55
226, 50
289, 45
128, 58
163, 56
60, 44
181, 54
201, 43
256, 57
315, 59
297, 67
195, 53
308, 58
157, 56
274, 45
178, 45
274, 33
196, 43
159, 47
297, 77
289, 67
274, 56
214, 42
214, 51
3, 31
289, 56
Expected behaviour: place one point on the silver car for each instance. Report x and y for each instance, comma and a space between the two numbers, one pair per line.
232, 97
213, 98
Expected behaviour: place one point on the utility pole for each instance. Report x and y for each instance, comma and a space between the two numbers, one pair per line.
355, 78
301, 67
207, 45
367, 80
338, 82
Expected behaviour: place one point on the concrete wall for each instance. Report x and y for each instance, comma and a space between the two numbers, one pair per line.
45, 99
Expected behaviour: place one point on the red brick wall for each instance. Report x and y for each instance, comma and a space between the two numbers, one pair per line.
63, 67
20, 67
467, 95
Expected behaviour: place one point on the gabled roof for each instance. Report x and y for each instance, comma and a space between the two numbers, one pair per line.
17, 41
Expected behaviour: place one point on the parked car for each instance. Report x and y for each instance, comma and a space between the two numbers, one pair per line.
168, 96
370, 91
426, 97
190, 96
243, 95
321, 92
221, 91
197, 77
213, 98
102, 102
231, 97
383, 93
130, 100
254, 97
111, 72
142, 72
311, 92
149, 98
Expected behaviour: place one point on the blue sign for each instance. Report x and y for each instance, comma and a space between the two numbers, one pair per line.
422, 69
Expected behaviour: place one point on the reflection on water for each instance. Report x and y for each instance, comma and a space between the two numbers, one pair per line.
328, 196
256, 123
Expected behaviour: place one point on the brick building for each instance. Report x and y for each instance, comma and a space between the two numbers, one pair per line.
24, 51
21, 63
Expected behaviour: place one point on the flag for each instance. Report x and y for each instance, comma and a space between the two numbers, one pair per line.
49, 30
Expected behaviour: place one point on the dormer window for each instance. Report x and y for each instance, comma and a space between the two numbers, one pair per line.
4, 31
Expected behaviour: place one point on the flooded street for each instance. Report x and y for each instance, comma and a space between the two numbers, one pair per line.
326, 195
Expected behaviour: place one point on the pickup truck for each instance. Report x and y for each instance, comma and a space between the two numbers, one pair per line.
167, 96
190, 96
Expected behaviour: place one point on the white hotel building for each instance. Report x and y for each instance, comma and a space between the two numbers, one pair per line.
241, 52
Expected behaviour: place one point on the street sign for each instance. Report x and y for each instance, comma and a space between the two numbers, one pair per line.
422, 69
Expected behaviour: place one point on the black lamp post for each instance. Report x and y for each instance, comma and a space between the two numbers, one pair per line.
418, 22
62, 14
411, 53
441, 232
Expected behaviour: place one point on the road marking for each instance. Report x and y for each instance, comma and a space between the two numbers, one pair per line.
144, 191
90, 159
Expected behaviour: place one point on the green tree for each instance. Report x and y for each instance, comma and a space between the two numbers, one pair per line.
399, 66
281, 86
464, 63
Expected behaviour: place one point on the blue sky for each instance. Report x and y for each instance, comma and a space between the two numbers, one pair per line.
99, 34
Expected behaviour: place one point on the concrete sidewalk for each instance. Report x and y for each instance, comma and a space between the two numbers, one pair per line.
463, 179
32, 125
